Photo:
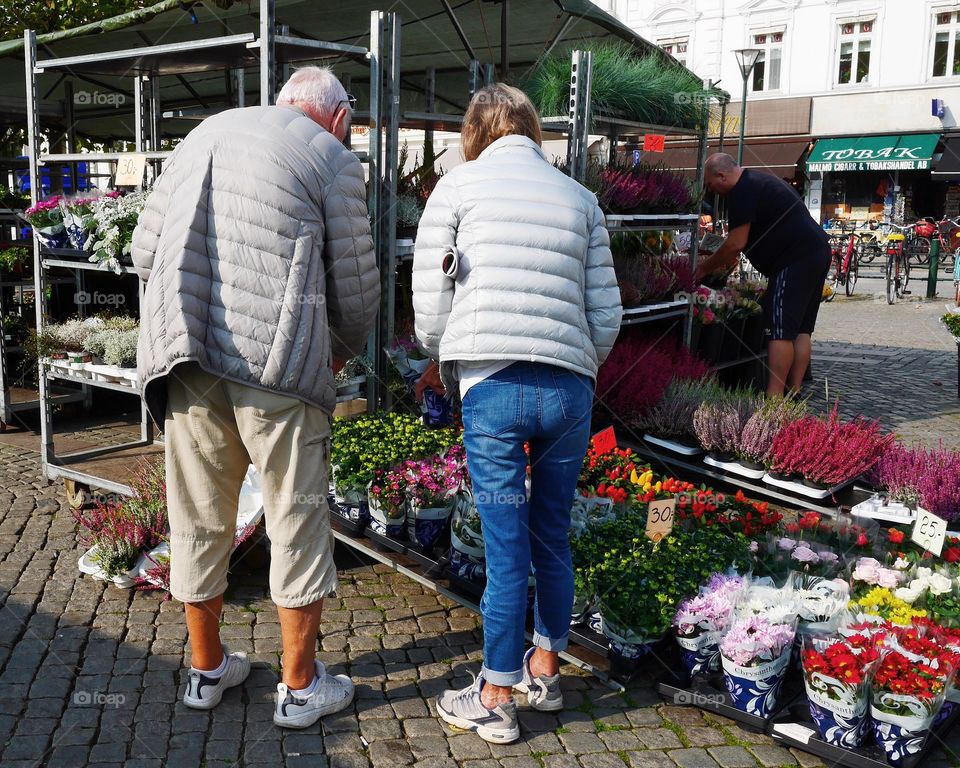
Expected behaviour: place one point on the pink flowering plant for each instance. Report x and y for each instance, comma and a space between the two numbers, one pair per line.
434, 482
45, 213
755, 640
389, 488
868, 572
919, 476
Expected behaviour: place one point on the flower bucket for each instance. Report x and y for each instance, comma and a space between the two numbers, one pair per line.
839, 710
87, 564
901, 737
625, 644
756, 690
52, 237
76, 234
425, 526
386, 519
466, 539
700, 653
580, 609
437, 410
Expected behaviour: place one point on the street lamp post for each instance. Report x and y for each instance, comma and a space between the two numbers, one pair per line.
747, 59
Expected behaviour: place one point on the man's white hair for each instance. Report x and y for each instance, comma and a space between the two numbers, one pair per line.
315, 86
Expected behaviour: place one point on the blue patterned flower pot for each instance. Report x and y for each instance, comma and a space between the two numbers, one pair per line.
700, 654
467, 559
839, 710
901, 736
626, 646
425, 526
387, 520
756, 690
898, 744
52, 237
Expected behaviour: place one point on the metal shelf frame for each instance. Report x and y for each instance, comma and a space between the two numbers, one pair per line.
265, 50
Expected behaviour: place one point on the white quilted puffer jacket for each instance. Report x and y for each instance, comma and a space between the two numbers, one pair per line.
255, 245
535, 280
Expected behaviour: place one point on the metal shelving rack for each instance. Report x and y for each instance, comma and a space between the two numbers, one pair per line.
107, 467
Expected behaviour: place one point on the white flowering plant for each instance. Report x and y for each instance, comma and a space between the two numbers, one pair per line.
113, 220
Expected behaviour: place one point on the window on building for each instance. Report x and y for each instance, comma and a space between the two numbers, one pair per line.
855, 45
946, 52
677, 48
766, 73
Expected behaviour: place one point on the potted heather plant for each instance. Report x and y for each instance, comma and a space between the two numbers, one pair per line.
756, 439
836, 675
669, 424
755, 655
46, 219
921, 477
719, 423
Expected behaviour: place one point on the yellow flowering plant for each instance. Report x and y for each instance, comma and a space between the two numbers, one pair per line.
881, 602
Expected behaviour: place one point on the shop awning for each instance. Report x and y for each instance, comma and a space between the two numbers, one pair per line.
948, 166
911, 152
776, 157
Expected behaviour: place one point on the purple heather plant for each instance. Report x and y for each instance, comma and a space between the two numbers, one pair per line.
762, 427
718, 423
918, 475
672, 417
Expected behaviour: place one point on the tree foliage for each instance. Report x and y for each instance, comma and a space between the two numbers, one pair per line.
53, 15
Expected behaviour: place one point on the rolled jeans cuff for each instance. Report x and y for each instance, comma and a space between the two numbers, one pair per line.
504, 679
554, 645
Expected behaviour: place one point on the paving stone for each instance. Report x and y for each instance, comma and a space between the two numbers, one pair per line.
806, 760
574, 720
658, 738
732, 757
601, 760
620, 741
342, 742
468, 746
380, 730
772, 757
579, 742
521, 762
108, 753
422, 726
348, 760
262, 752
644, 718
653, 758
387, 753
703, 736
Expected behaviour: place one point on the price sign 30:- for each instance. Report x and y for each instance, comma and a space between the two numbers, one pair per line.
660, 518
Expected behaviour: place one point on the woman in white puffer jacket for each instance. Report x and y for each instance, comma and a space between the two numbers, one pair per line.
515, 294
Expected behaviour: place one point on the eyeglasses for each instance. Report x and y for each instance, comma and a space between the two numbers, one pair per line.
351, 101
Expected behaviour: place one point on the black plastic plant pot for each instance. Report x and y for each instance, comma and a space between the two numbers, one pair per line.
709, 342
754, 465
732, 335
816, 485
721, 456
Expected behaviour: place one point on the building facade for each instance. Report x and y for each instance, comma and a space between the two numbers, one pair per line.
880, 78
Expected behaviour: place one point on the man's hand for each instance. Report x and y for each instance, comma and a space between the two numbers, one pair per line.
430, 378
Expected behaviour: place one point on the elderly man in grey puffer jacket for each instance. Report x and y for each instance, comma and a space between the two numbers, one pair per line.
261, 279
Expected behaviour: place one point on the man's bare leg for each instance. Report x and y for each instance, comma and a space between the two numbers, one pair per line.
802, 352
780, 361
298, 629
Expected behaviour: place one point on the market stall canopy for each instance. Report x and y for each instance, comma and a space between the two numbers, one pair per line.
912, 152
439, 34
776, 157
947, 168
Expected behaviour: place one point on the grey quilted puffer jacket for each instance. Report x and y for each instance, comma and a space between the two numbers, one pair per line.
535, 280
255, 245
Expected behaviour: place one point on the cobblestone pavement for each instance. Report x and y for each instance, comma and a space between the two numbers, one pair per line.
893, 362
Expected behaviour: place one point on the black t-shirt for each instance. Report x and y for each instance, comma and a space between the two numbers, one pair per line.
782, 231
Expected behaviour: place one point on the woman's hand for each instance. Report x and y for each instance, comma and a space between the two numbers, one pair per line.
430, 378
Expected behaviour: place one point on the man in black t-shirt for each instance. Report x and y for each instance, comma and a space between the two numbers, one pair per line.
769, 223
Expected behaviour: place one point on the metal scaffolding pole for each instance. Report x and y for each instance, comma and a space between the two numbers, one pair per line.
578, 142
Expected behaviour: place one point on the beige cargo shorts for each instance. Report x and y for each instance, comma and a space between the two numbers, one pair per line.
214, 429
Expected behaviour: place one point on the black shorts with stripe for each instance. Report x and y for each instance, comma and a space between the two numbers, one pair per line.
792, 300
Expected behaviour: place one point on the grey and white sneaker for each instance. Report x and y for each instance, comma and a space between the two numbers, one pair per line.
330, 694
464, 709
205, 691
543, 692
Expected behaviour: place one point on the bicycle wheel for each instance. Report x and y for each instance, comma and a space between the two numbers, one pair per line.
891, 278
904, 275
868, 252
946, 261
852, 271
920, 250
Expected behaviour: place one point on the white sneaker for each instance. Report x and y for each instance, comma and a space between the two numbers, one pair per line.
543, 692
331, 693
465, 709
204, 691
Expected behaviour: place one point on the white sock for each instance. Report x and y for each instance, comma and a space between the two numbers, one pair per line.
304, 692
218, 672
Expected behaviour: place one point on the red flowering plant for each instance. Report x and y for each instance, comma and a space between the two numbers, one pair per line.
846, 660
698, 505
827, 452
906, 688
608, 474
739, 514
388, 489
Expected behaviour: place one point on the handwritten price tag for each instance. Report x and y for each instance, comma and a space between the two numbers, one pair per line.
660, 518
604, 441
130, 170
654, 142
929, 531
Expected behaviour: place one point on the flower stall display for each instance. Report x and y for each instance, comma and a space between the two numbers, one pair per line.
46, 219
836, 676
718, 425
815, 457
642, 190
756, 438
113, 219
821, 602
700, 622
16, 262
736, 513
906, 696
646, 279
363, 444
387, 501
755, 656
78, 219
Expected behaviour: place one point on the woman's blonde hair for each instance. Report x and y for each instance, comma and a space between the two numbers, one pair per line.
496, 111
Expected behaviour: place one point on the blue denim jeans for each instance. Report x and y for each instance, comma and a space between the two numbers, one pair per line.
550, 408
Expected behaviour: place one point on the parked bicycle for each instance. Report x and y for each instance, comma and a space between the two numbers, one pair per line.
948, 235
898, 262
846, 259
